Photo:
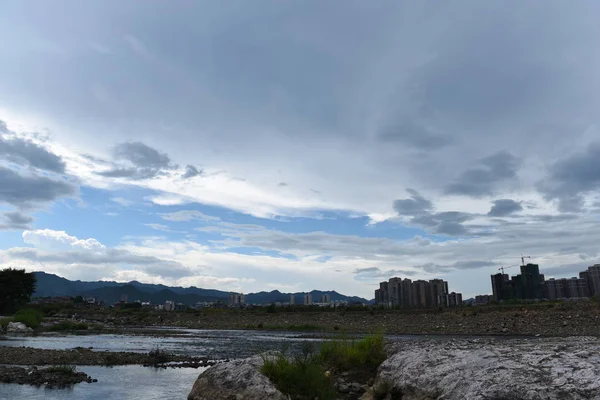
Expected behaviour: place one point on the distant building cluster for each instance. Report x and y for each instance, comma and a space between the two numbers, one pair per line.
404, 293
531, 285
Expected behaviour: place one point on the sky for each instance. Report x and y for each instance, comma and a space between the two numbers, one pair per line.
290, 145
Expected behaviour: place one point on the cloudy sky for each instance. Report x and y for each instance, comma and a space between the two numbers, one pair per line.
259, 145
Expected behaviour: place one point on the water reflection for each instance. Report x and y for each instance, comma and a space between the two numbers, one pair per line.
125, 382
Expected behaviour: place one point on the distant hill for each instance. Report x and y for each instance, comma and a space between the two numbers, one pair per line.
49, 285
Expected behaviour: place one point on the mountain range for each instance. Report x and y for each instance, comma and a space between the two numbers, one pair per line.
49, 285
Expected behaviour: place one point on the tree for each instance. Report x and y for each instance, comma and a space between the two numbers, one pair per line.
16, 288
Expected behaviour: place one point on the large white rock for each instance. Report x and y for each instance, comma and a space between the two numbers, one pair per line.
18, 327
536, 369
235, 380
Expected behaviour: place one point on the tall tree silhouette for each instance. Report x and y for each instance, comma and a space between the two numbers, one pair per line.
16, 287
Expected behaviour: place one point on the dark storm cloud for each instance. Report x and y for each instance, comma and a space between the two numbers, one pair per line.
484, 179
140, 162
573, 176
191, 171
414, 206
451, 229
25, 152
504, 207
23, 191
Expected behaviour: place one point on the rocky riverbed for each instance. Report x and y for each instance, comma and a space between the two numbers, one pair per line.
566, 319
520, 369
58, 377
83, 356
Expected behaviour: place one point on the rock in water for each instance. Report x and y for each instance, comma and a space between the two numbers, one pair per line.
18, 327
235, 380
548, 369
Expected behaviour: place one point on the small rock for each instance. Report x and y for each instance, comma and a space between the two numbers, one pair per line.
18, 327
564, 323
343, 388
504, 330
355, 387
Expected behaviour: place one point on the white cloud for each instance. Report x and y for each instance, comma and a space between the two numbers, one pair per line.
188, 215
51, 239
122, 201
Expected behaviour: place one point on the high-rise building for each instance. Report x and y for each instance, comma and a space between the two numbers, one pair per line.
450, 299
292, 299
326, 298
531, 281
404, 293
308, 299
236, 299
500, 284
593, 275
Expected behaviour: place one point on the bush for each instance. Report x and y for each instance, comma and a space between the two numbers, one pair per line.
62, 369
362, 356
68, 326
4, 322
30, 317
302, 377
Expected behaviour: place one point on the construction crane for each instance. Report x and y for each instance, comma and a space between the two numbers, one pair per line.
523, 259
503, 268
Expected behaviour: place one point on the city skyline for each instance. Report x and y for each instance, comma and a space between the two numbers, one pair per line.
248, 146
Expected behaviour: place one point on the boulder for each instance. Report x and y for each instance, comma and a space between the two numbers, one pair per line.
532, 369
17, 327
235, 380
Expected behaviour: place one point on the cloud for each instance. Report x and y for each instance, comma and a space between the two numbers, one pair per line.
15, 220
485, 179
48, 238
122, 201
25, 152
27, 190
377, 274
573, 176
411, 134
188, 215
191, 171
433, 268
414, 206
504, 207
137, 161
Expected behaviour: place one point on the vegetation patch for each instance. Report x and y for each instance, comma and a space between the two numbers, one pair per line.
4, 322
62, 369
302, 376
30, 317
157, 357
309, 375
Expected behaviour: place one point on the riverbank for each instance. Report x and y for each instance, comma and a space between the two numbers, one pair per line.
527, 369
82, 356
544, 319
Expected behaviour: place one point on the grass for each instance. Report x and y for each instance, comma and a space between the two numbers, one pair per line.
361, 357
30, 317
303, 376
68, 326
4, 322
62, 369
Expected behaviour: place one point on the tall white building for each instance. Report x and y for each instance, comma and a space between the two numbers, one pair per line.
292, 299
326, 299
236, 299
307, 299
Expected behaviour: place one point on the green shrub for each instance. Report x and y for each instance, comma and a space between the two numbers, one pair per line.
62, 369
68, 326
362, 356
30, 317
4, 322
301, 377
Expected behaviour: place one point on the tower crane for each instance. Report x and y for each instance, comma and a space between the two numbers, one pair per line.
523, 259
503, 268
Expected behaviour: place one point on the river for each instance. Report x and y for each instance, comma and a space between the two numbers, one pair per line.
143, 383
